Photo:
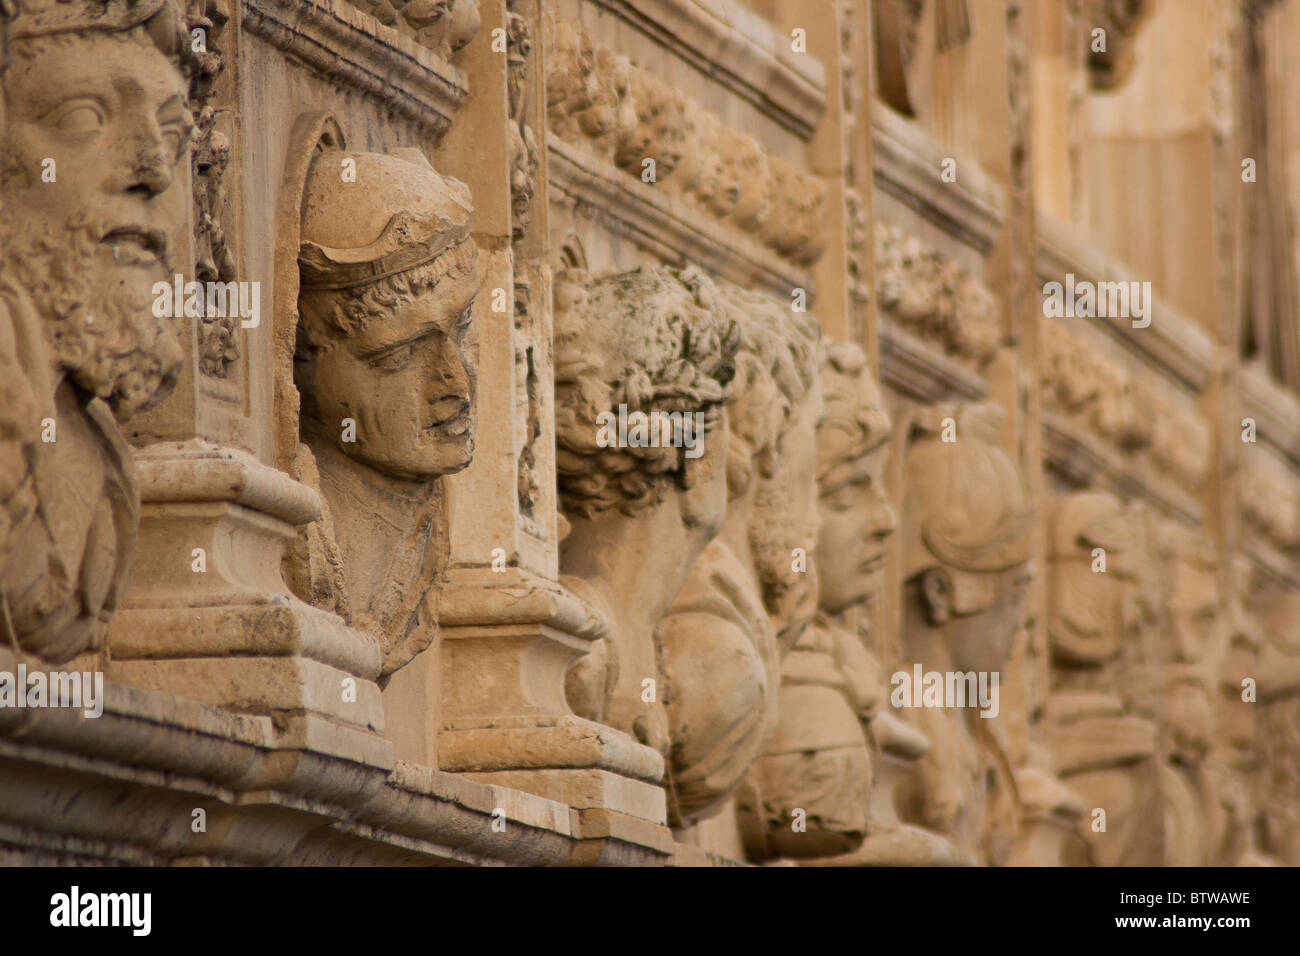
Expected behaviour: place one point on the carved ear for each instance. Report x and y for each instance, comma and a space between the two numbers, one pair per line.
936, 590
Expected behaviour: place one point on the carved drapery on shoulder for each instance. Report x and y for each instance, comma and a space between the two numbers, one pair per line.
818, 760
743, 603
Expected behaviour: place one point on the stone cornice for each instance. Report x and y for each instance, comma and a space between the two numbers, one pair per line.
1276, 411
355, 49
664, 225
738, 49
921, 371
908, 166
1173, 343
1085, 461
233, 766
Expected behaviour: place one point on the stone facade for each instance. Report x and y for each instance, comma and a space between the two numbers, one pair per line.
649, 432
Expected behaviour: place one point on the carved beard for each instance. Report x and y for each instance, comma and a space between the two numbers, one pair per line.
107, 341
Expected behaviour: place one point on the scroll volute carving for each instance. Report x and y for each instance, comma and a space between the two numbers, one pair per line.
967, 521
648, 342
388, 276
90, 222
819, 760
744, 601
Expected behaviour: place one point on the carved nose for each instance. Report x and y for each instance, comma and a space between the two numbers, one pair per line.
886, 522
447, 408
150, 171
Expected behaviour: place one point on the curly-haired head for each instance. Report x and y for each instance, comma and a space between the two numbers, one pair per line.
651, 339
777, 366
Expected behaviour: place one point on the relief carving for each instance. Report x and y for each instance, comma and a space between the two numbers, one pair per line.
81, 253
627, 115
1104, 751
214, 260
934, 298
388, 279
744, 602
444, 26
650, 340
1194, 645
819, 759
967, 521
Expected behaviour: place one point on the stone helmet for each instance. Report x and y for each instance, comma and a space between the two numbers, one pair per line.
397, 214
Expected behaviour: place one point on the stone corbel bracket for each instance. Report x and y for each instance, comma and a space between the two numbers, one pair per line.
208, 616
339, 40
507, 640
737, 48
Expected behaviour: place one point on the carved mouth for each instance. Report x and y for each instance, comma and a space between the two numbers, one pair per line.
450, 416
873, 563
136, 245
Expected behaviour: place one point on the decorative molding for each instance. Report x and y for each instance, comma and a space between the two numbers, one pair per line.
935, 298
1276, 410
740, 50
628, 116
1098, 396
443, 26
1085, 461
922, 372
1172, 344
353, 48
908, 166
663, 225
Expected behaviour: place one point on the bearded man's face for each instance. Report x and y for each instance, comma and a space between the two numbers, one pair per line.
97, 126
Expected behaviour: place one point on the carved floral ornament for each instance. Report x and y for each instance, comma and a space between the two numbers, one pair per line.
1096, 393
633, 119
443, 26
933, 297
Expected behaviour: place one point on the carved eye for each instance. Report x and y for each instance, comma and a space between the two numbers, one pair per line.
176, 136
843, 499
394, 360
82, 116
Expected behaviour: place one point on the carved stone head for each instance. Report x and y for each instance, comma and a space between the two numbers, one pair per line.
389, 275
652, 341
817, 760
748, 168
97, 124
782, 432
967, 521
720, 641
660, 133
1196, 637
1086, 587
852, 449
